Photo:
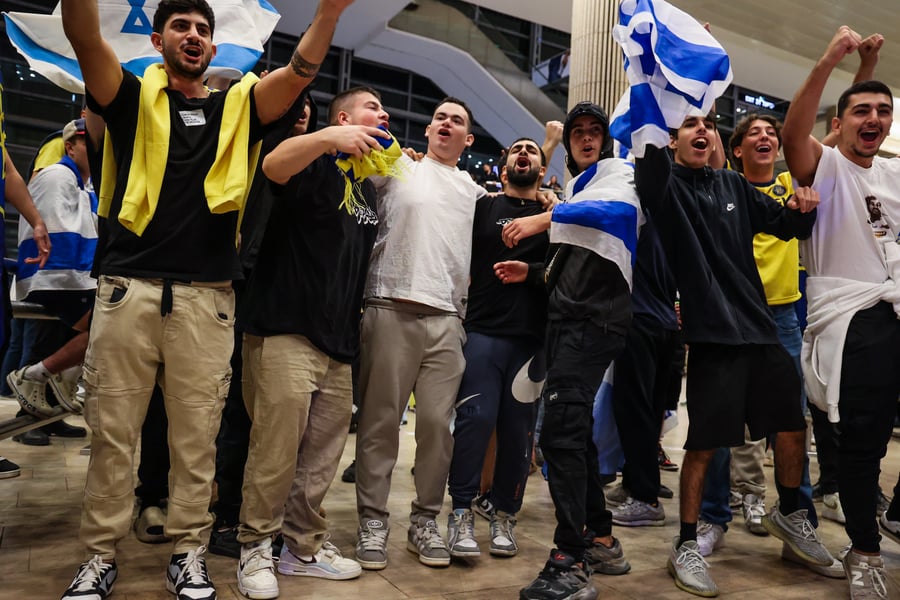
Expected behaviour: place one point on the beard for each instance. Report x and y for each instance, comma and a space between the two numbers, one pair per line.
522, 180
189, 71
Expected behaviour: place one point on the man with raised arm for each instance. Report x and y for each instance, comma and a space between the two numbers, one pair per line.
176, 168
852, 260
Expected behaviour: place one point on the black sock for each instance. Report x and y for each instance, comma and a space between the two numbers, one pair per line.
788, 499
688, 533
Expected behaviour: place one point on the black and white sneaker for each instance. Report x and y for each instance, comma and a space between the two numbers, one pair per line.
94, 580
187, 577
561, 579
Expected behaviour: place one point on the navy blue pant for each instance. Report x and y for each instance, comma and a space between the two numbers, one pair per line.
578, 354
640, 391
501, 383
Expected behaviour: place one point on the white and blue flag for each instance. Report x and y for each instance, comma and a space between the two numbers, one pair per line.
675, 69
602, 214
242, 27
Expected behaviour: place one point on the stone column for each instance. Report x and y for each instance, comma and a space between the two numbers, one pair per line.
596, 71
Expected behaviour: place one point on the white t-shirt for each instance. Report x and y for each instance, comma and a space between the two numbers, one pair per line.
424, 242
847, 239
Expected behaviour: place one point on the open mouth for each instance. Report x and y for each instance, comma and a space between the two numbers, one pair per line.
764, 148
869, 135
193, 52
523, 163
700, 143
444, 133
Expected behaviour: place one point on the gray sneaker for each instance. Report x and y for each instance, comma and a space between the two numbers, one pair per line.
754, 510
634, 513
371, 548
797, 532
503, 539
617, 495
426, 541
690, 570
608, 561
461, 534
866, 575
835, 570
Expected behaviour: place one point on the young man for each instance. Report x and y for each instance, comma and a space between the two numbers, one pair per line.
852, 290
412, 335
300, 314
182, 160
63, 193
588, 275
707, 219
504, 337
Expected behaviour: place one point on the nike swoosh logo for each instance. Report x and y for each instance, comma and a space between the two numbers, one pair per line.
466, 399
524, 389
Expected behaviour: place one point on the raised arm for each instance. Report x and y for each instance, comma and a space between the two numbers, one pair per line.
294, 154
275, 94
17, 195
552, 138
868, 58
99, 64
802, 151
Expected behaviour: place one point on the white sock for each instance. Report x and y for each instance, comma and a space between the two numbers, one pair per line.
38, 372
71, 374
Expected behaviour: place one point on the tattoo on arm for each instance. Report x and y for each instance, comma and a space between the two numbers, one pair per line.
303, 67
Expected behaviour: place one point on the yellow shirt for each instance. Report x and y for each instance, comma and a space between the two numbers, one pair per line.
778, 261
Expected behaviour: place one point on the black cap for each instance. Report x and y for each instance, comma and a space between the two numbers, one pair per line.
579, 110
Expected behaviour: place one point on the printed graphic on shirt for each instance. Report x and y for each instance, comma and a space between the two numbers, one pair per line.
877, 217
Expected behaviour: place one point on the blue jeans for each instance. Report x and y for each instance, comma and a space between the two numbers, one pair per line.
714, 508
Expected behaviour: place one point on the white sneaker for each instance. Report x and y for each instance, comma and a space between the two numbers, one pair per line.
866, 575
754, 510
327, 563
690, 571
831, 508
256, 571
835, 570
709, 537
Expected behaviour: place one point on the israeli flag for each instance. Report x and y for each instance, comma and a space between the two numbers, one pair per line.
602, 213
242, 27
675, 69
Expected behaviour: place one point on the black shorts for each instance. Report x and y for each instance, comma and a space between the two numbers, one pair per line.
729, 386
69, 305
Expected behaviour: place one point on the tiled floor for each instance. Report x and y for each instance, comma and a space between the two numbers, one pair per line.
39, 550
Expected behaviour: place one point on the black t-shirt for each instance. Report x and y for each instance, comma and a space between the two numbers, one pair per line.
517, 309
184, 241
312, 263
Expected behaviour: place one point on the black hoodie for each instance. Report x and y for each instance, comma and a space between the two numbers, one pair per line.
706, 219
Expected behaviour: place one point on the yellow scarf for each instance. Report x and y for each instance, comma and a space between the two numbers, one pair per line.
226, 184
382, 161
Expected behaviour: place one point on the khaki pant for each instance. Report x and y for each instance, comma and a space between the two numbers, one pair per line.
405, 348
747, 476
131, 348
300, 402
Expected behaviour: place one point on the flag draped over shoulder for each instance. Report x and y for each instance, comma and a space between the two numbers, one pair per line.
674, 66
602, 213
242, 27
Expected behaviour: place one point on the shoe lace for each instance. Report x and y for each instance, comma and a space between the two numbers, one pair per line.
89, 574
466, 524
431, 535
193, 567
328, 552
259, 559
373, 539
502, 526
704, 528
755, 508
691, 560
806, 530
